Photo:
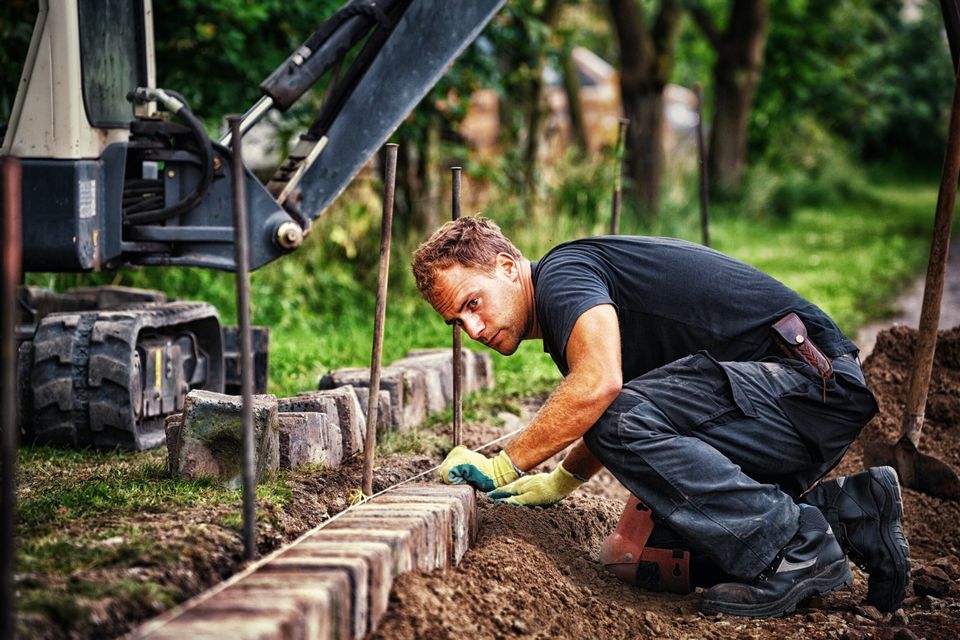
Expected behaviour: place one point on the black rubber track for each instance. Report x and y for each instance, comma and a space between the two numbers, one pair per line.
84, 380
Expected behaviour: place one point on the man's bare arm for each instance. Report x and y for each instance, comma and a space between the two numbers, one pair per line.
580, 462
594, 380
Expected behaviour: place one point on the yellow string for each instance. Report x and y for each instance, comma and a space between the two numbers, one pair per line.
356, 496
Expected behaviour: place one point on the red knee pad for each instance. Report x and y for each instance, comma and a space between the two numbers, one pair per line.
626, 555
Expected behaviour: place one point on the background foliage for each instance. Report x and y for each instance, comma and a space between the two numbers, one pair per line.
851, 93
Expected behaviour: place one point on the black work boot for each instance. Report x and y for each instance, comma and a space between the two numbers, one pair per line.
812, 563
864, 511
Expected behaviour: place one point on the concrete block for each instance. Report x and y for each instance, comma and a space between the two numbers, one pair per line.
355, 569
416, 408
390, 381
291, 616
384, 410
313, 403
438, 369
316, 599
459, 524
400, 540
422, 547
310, 401
335, 584
483, 370
379, 565
199, 624
437, 519
425, 386
305, 439
210, 442
478, 367
465, 493
353, 426
171, 427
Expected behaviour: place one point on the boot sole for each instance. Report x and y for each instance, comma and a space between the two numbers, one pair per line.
831, 578
895, 543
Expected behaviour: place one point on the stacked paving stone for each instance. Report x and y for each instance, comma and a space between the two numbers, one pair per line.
322, 427
335, 581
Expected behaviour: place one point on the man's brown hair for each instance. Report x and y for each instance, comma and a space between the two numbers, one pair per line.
472, 241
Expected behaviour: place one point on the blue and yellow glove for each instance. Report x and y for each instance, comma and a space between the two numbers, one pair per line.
538, 490
463, 466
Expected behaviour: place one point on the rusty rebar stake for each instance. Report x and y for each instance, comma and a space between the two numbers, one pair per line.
242, 261
618, 177
702, 165
457, 334
386, 228
11, 244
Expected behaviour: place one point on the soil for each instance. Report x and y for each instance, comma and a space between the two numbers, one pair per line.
534, 573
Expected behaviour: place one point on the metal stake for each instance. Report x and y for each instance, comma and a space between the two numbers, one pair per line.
242, 259
457, 335
618, 178
11, 243
386, 227
701, 161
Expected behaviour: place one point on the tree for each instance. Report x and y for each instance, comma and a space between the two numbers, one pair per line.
16, 25
736, 74
646, 60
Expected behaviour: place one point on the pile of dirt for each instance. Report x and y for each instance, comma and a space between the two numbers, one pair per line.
535, 573
932, 525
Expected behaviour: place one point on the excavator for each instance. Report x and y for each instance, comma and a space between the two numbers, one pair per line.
118, 173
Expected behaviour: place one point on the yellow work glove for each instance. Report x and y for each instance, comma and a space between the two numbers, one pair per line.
463, 466
539, 490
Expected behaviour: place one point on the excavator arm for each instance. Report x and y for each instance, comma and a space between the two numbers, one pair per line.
108, 191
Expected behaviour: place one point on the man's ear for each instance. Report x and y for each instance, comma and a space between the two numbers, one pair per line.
508, 265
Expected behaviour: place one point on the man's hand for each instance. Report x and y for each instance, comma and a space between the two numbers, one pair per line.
463, 466
539, 490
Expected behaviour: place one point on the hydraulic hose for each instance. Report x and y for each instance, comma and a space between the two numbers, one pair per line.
177, 105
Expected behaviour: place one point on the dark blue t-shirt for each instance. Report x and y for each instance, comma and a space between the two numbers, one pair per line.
673, 298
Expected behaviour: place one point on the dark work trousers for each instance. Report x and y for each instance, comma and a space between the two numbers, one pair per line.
720, 450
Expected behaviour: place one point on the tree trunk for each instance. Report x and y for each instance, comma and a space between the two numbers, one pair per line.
736, 74
418, 186
571, 87
644, 144
646, 59
536, 109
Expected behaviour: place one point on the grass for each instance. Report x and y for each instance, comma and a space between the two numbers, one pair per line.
68, 486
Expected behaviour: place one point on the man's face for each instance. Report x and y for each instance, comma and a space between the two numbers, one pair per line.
489, 306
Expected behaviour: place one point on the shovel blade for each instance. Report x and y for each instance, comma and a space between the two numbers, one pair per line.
879, 454
935, 477
916, 470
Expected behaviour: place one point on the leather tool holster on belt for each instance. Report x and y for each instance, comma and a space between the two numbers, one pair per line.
791, 334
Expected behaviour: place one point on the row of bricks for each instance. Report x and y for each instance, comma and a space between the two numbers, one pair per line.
318, 427
335, 581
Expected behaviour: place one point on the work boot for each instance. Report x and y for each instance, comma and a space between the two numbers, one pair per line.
864, 511
811, 564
